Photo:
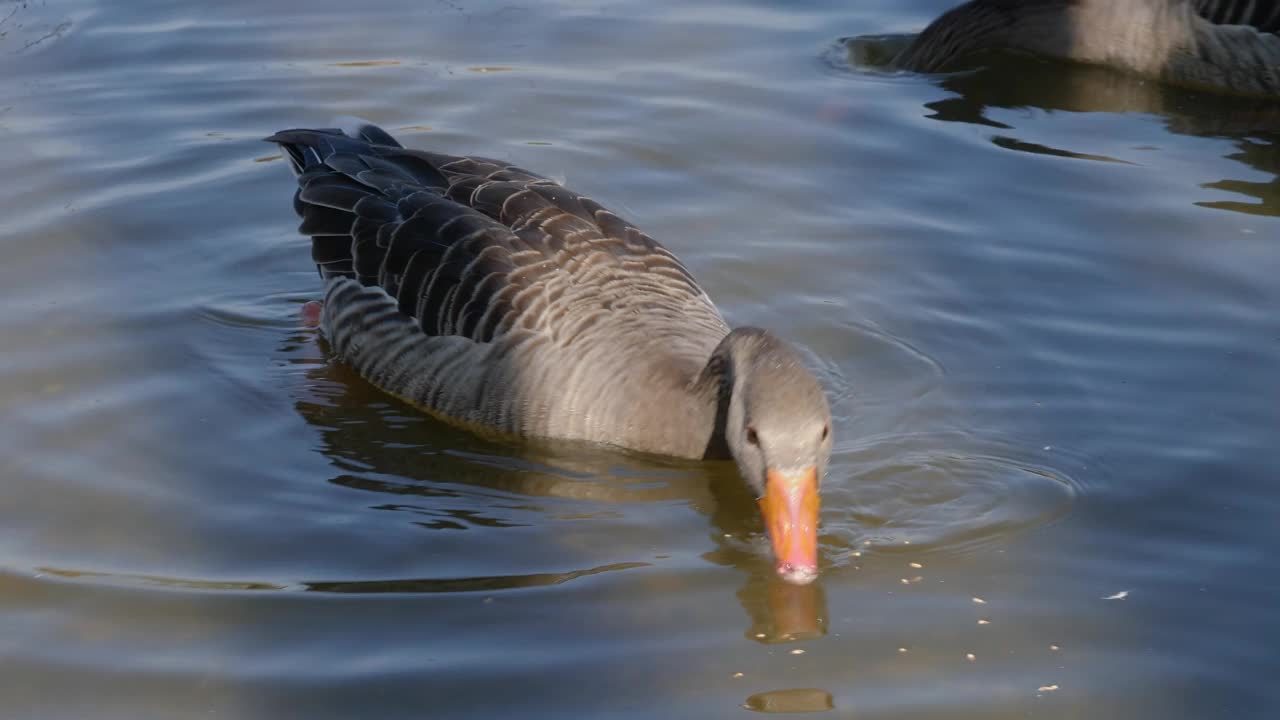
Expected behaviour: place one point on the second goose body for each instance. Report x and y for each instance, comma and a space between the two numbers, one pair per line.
1223, 45
498, 298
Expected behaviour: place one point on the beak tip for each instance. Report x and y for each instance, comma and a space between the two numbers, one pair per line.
797, 574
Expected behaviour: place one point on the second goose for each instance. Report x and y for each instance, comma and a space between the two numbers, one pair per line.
1221, 45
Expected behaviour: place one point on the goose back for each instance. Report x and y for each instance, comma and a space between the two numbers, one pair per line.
497, 298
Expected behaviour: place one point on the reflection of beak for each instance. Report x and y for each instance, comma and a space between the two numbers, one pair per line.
790, 508
798, 612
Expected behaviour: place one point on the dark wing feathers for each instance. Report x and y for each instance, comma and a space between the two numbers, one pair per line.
1263, 15
464, 244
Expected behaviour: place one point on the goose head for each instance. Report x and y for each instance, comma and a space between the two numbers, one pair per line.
778, 431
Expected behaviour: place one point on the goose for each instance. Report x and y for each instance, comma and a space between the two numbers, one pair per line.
1222, 45
498, 299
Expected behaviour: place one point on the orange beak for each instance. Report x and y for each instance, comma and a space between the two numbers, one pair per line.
790, 507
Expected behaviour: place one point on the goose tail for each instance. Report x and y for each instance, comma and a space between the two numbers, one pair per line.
344, 196
307, 148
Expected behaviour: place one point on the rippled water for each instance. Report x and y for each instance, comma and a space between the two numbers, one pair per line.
1044, 299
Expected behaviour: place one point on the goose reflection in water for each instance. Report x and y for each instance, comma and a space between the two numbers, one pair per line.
451, 479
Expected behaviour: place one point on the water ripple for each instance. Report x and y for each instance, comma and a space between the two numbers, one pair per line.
400, 586
943, 491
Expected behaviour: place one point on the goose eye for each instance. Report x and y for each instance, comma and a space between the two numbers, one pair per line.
752, 437
826, 430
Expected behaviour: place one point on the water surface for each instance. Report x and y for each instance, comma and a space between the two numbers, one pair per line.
1043, 298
